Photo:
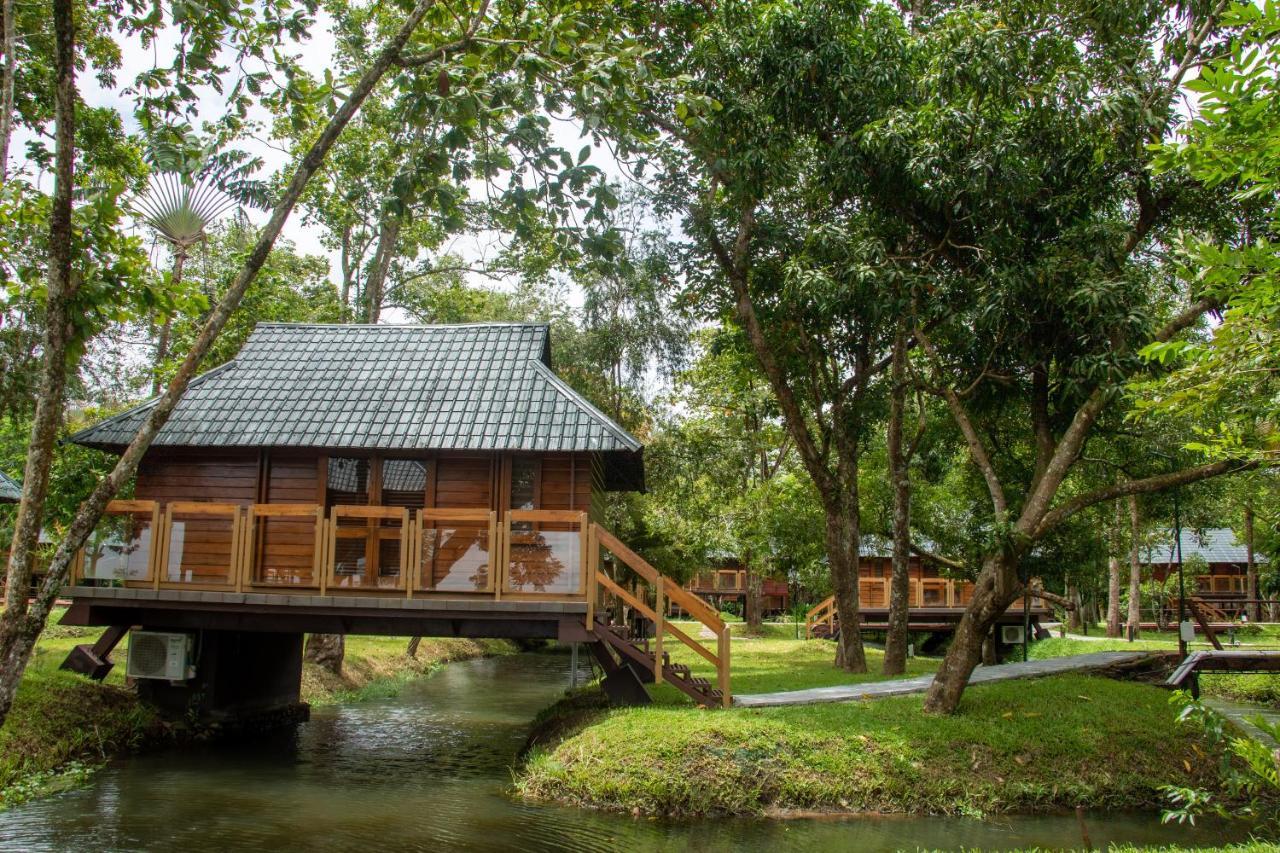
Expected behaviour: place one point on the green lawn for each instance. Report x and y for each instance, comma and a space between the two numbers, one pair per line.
62, 724
1017, 746
776, 662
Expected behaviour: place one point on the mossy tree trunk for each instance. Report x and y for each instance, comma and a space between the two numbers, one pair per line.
326, 650
895, 646
1135, 570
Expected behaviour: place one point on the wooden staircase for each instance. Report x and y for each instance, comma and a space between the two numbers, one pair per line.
638, 656
630, 661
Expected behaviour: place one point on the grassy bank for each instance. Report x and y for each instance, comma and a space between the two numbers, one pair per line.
1254, 687
376, 667
1014, 747
63, 725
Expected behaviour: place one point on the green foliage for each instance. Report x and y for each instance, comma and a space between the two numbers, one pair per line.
290, 288
1227, 374
1252, 789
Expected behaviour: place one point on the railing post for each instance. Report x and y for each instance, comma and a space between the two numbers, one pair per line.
661, 623
330, 543
162, 547
415, 544
593, 566
504, 555
242, 530
723, 668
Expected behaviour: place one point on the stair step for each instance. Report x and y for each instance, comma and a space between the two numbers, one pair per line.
700, 683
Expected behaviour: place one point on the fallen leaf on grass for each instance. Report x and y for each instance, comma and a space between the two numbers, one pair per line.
1085, 698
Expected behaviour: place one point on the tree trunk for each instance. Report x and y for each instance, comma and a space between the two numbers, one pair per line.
166, 328
412, 649
19, 627
1113, 597
346, 263
57, 333
1254, 608
995, 589
895, 646
326, 650
9, 45
375, 283
842, 554
1135, 570
1159, 603
1075, 616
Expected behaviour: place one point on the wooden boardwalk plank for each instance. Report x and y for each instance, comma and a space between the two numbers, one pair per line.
919, 684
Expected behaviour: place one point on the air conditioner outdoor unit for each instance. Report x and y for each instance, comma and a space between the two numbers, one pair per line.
1012, 635
162, 655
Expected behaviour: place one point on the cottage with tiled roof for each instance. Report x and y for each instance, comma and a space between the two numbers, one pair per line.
431, 481
466, 417
1224, 557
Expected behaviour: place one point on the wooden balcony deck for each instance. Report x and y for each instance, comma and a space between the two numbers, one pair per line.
298, 568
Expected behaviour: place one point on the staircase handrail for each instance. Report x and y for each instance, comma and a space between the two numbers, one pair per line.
667, 588
827, 604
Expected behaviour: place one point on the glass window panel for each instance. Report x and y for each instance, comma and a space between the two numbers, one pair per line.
287, 550
347, 482
455, 558
545, 561
388, 561
118, 549
200, 549
524, 482
349, 559
404, 483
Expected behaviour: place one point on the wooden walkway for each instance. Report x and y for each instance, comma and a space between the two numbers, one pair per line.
905, 686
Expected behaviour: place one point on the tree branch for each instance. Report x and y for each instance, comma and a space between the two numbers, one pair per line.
945, 562
977, 450
1146, 485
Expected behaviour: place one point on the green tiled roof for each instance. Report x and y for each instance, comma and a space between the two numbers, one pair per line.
10, 489
470, 387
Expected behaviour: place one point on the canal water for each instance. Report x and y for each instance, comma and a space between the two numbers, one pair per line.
431, 770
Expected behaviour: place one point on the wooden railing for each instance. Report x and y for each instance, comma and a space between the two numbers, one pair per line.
925, 593
664, 590
346, 550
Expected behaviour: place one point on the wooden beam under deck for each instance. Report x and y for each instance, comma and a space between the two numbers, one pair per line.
392, 616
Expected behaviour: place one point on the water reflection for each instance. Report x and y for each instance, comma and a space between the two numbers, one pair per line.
429, 771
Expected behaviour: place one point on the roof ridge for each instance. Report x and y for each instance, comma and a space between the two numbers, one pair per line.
607, 422
272, 324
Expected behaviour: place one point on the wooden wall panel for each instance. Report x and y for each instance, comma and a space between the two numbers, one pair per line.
291, 477
464, 482
286, 546
566, 482
218, 476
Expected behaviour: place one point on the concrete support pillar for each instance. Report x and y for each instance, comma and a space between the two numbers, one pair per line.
243, 679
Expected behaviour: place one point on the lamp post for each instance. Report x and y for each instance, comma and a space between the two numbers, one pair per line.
1182, 586
1177, 548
